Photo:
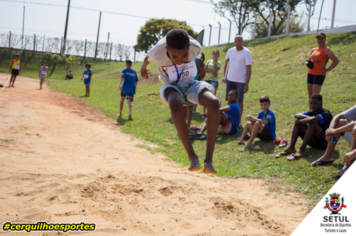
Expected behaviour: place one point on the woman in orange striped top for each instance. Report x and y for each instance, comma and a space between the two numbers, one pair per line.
318, 59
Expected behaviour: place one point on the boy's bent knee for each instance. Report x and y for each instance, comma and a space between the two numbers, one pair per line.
175, 104
212, 103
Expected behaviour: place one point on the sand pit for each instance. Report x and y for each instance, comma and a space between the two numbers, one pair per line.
61, 161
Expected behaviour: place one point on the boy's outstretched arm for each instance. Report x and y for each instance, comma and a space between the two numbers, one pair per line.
223, 109
144, 71
201, 69
264, 122
301, 116
309, 120
121, 80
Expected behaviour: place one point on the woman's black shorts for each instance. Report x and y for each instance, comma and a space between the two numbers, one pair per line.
15, 72
316, 79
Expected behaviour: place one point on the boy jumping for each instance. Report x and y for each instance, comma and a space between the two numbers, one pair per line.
128, 89
15, 70
263, 127
87, 79
229, 118
175, 57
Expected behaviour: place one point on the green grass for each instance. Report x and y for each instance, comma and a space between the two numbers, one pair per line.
278, 71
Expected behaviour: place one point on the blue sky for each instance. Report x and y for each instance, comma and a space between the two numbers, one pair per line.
83, 24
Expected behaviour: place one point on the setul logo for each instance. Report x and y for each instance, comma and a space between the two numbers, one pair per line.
334, 205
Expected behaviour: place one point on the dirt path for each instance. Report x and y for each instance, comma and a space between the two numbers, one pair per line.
61, 161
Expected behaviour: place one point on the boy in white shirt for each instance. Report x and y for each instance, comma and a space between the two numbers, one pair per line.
175, 56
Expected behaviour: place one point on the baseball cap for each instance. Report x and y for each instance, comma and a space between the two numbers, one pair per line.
320, 35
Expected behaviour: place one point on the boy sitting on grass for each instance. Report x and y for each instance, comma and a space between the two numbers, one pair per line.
263, 127
229, 118
175, 57
87, 79
128, 89
311, 127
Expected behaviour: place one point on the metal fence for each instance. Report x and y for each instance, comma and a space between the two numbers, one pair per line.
41, 43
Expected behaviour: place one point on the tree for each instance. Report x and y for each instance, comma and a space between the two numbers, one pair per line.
155, 29
127, 52
279, 10
238, 11
69, 61
296, 24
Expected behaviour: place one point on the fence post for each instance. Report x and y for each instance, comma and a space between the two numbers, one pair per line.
288, 19
10, 39
270, 23
254, 26
97, 38
333, 16
23, 28
85, 48
219, 32
229, 31
34, 42
134, 55
309, 15
110, 50
60, 50
210, 34
44, 37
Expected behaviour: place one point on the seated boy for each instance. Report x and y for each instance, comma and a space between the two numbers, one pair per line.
262, 127
128, 89
69, 75
175, 57
311, 127
341, 125
229, 118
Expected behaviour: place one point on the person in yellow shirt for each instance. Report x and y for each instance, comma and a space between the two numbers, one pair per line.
15, 70
211, 68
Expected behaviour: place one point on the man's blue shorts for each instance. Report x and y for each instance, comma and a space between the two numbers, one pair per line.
87, 82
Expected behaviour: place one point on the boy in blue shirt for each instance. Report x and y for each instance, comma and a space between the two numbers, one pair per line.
128, 89
263, 127
87, 79
229, 118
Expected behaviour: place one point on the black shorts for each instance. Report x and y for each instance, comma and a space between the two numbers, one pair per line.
265, 135
129, 96
316, 143
316, 79
14, 72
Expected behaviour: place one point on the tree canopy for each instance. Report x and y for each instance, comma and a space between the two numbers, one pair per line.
155, 29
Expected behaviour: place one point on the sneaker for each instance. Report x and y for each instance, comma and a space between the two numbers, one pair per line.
283, 142
195, 128
197, 136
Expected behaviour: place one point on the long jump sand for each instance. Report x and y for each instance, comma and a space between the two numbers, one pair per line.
61, 161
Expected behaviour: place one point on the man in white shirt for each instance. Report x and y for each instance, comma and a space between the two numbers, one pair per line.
239, 73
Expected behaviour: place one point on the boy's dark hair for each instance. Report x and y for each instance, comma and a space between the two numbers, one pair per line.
202, 56
17, 55
44, 62
88, 65
177, 39
234, 92
265, 99
317, 96
129, 62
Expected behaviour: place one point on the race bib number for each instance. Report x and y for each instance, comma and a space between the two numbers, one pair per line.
189, 72
17, 67
86, 76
